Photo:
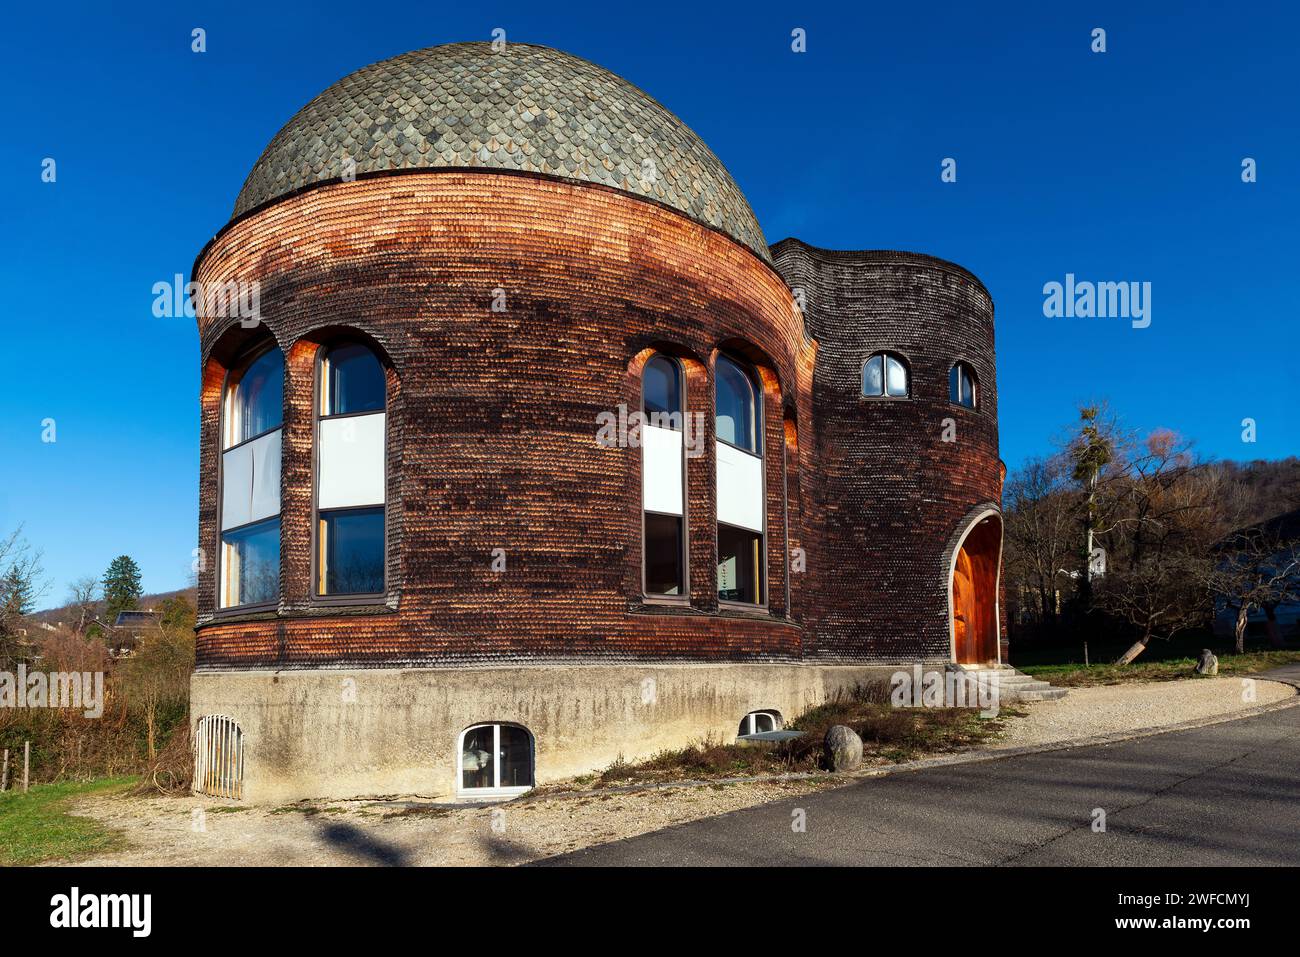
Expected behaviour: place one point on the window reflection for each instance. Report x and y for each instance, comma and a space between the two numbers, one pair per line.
354, 381
251, 563
256, 399
352, 551
496, 757
884, 374
737, 413
740, 565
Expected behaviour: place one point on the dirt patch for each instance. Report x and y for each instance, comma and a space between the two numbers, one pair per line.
199, 831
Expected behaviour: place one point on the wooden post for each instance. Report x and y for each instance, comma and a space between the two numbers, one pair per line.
27, 763
4, 775
1085, 654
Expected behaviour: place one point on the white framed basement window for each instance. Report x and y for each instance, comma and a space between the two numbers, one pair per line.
494, 760
757, 722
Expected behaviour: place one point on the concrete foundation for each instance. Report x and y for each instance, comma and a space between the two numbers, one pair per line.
372, 732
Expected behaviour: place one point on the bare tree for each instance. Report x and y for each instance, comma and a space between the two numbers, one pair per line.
1256, 568
158, 673
1040, 511
83, 602
1163, 522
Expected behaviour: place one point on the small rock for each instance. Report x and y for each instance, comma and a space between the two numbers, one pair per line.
843, 748
1207, 664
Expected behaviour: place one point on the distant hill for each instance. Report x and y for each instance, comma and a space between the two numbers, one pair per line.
1272, 485
65, 613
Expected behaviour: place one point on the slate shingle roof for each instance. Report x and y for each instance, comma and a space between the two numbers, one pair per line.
527, 108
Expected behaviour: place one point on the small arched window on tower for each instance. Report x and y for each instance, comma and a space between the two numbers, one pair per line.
961, 385
662, 478
252, 412
738, 429
351, 478
885, 374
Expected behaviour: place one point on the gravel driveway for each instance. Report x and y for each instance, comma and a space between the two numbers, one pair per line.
1114, 709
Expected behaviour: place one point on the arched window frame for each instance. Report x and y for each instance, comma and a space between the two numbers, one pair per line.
753, 723
234, 377
321, 415
230, 446
885, 355
756, 401
497, 789
759, 452
965, 374
683, 594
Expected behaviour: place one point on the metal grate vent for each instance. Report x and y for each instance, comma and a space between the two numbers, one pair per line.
219, 757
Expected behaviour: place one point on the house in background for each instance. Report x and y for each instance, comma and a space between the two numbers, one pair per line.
129, 627
1280, 538
446, 557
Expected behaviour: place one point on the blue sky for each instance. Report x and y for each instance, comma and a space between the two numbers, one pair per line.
1117, 166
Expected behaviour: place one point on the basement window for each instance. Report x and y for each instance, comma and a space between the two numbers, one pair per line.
758, 722
494, 760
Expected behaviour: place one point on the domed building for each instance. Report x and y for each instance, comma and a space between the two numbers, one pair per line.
536, 454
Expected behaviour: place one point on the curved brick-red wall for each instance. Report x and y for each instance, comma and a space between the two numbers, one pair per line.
891, 498
494, 416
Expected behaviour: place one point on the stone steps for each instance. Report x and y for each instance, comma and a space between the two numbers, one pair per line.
1014, 685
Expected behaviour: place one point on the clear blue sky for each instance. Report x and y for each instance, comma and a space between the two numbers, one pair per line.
1116, 166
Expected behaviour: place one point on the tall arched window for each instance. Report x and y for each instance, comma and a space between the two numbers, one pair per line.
351, 478
662, 478
252, 412
737, 407
885, 374
738, 427
961, 385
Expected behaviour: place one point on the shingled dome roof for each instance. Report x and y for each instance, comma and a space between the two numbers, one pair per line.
527, 108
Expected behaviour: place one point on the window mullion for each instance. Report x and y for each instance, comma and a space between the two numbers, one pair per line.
496, 756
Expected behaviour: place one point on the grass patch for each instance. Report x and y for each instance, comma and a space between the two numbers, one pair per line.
303, 807
36, 826
889, 735
1077, 675
421, 810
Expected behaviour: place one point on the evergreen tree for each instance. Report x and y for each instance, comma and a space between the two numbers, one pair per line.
121, 586
16, 598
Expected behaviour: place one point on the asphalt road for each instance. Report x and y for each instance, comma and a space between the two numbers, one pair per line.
1227, 794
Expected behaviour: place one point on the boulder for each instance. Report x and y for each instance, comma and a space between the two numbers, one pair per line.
1207, 664
843, 748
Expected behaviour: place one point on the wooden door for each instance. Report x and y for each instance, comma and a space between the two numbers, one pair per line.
975, 595
964, 624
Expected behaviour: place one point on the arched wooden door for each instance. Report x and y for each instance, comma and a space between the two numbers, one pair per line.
975, 595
